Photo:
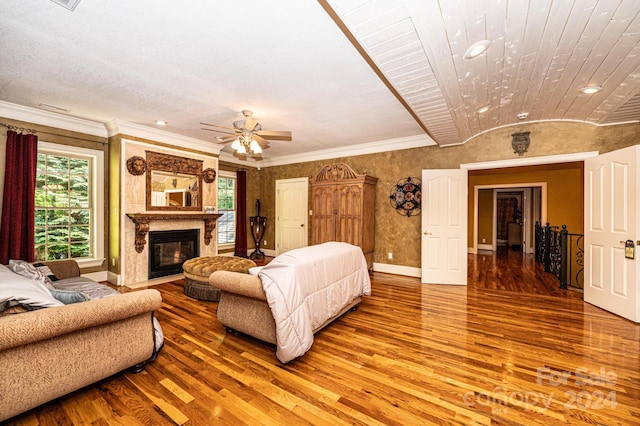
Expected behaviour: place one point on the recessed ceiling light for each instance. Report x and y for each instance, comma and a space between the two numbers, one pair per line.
476, 49
590, 90
161, 123
483, 109
523, 115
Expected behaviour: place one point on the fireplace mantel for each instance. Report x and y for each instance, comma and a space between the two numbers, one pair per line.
142, 220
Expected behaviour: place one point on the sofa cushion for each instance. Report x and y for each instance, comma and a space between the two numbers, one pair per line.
18, 290
87, 286
69, 296
40, 273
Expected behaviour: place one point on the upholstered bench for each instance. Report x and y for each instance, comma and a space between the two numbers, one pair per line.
198, 269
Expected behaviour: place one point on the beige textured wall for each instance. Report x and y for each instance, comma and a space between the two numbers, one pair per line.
400, 234
485, 216
394, 233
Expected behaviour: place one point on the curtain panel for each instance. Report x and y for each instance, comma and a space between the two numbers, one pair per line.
18, 203
241, 214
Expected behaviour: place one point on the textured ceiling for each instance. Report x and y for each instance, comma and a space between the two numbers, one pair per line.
336, 73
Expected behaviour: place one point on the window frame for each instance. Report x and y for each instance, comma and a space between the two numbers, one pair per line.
96, 160
225, 174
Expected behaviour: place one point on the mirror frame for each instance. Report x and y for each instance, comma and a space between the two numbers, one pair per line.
172, 163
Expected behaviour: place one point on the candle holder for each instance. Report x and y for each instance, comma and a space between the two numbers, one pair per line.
258, 223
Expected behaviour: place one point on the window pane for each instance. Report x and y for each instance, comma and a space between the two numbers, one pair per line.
226, 224
80, 233
63, 207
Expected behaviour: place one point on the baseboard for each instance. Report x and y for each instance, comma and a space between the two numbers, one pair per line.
408, 271
97, 276
485, 247
113, 278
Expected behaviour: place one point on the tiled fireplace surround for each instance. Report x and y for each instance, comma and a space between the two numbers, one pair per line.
134, 265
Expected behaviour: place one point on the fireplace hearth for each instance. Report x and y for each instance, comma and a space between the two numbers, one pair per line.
169, 249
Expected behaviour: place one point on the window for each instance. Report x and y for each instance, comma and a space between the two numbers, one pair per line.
227, 208
69, 204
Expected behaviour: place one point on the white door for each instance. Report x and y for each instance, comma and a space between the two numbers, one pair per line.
292, 197
444, 226
611, 218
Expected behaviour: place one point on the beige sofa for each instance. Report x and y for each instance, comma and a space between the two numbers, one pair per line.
49, 352
243, 306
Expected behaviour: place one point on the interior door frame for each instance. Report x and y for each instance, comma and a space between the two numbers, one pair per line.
496, 187
518, 162
304, 202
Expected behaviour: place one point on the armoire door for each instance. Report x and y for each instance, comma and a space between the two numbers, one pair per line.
324, 215
349, 217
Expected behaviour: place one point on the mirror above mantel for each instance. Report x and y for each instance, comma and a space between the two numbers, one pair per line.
173, 183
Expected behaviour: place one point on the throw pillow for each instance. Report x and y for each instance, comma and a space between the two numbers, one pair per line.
28, 270
69, 296
19, 290
46, 271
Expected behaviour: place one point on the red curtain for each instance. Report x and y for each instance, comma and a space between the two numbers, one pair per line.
18, 203
241, 214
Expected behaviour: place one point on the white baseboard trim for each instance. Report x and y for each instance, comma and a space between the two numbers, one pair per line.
97, 276
113, 278
408, 271
485, 247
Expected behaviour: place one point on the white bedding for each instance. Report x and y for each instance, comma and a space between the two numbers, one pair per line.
307, 286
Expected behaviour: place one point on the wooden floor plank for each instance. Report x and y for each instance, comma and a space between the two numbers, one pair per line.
510, 348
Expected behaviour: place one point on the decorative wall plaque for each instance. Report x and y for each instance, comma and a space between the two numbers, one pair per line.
209, 175
406, 196
136, 165
520, 142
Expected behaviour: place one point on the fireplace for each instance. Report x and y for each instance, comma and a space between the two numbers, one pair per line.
169, 249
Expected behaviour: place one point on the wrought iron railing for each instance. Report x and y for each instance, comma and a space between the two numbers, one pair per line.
561, 253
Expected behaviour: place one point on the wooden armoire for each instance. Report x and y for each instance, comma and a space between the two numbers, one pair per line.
343, 204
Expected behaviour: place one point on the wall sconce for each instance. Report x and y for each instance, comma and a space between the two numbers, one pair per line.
520, 142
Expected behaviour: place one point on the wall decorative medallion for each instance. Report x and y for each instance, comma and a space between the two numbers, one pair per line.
136, 165
406, 196
520, 142
209, 175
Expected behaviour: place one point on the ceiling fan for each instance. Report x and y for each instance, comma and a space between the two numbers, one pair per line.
247, 135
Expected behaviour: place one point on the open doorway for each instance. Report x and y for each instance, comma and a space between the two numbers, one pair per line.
505, 215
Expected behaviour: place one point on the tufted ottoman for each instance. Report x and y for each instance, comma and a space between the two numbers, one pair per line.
198, 269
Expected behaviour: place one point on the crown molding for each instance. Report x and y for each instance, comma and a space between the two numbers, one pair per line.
327, 154
52, 119
531, 161
115, 127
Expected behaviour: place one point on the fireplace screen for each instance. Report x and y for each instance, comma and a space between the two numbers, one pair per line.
169, 249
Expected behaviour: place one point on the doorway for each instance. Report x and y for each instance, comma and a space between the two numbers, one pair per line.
524, 204
292, 197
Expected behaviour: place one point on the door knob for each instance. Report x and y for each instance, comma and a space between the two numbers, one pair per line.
427, 233
302, 225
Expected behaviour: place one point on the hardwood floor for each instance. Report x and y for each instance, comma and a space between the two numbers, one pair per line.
508, 349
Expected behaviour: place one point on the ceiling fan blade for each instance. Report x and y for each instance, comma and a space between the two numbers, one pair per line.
264, 144
250, 123
219, 131
275, 135
220, 127
240, 156
227, 139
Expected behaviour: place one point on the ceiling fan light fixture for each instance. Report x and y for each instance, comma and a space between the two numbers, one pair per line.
161, 123
476, 49
236, 144
590, 90
255, 147
241, 149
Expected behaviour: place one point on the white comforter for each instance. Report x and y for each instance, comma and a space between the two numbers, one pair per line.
307, 286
